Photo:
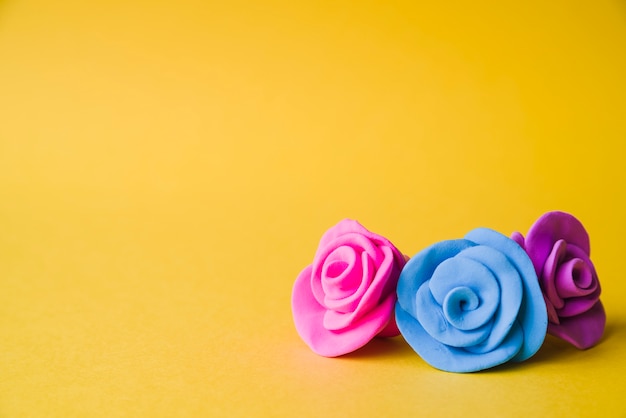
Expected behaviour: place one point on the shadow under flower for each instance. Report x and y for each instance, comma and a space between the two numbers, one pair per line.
552, 350
381, 348
612, 330
557, 350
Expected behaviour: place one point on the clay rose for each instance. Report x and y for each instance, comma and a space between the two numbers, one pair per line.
469, 304
346, 297
558, 245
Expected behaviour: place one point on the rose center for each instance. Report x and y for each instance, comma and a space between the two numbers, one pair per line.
581, 275
342, 275
336, 268
456, 305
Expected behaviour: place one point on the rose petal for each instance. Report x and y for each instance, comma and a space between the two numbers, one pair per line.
533, 317
351, 301
576, 252
354, 228
308, 317
510, 301
453, 359
357, 242
371, 295
462, 272
342, 273
574, 278
584, 330
384, 281
345, 226
576, 306
519, 238
420, 268
346, 296
547, 275
458, 302
432, 318
549, 228
552, 315
518, 337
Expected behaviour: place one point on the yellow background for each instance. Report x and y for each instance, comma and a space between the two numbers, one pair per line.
167, 169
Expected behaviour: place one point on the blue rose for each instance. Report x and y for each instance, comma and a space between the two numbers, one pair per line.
471, 304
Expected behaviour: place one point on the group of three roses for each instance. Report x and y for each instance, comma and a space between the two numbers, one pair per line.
463, 305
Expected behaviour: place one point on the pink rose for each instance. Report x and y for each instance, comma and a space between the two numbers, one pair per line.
558, 246
347, 296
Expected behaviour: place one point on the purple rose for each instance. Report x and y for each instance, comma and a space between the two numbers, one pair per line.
558, 246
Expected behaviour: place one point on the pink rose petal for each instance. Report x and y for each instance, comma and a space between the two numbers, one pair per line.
347, 295
308, 317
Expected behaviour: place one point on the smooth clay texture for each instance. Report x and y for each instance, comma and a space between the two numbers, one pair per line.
471, 304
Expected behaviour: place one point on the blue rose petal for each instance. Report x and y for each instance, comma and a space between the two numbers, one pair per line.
421, 266
433, 319
471, 304
480, 283
533, 316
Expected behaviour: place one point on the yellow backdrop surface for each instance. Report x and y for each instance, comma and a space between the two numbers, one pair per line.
167, 169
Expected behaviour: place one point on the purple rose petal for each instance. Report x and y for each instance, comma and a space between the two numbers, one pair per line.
582, 331
558, 246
